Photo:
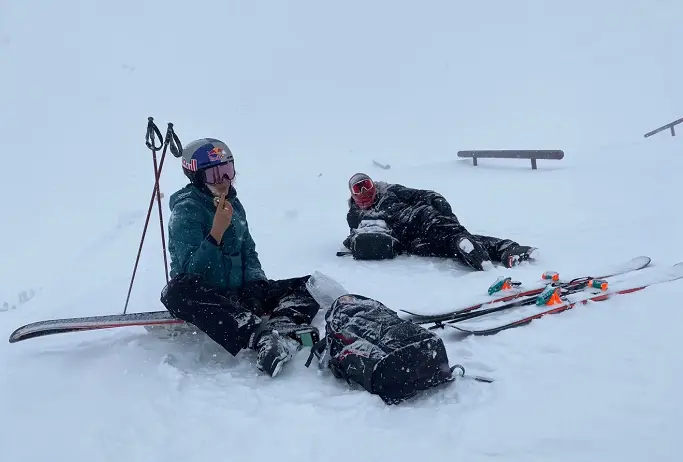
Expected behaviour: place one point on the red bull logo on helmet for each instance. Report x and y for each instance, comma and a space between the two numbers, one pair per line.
191, 166
217, 154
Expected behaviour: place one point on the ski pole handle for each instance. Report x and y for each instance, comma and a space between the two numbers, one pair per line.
152, 135
173, 141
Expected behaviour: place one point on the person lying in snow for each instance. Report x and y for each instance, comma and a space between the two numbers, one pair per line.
386, 219
218, 284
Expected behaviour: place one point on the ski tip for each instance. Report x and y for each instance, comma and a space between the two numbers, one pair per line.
677, 268
641, 261
18, 334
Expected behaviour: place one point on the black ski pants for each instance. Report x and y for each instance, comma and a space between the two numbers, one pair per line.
427, 232
221, 315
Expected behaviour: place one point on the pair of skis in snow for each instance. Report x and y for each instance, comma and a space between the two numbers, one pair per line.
480, 319
517, 307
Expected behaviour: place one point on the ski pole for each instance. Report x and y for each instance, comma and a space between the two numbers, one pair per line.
171, 140
153, 130
176, 147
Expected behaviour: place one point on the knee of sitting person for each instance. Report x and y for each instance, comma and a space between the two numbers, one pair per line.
179, 288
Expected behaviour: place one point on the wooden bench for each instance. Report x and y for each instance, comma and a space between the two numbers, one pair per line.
530, 154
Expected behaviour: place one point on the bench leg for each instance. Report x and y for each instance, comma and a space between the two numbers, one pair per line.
533, 163
474, 161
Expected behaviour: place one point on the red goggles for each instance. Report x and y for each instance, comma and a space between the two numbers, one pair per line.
362, 186
216, 175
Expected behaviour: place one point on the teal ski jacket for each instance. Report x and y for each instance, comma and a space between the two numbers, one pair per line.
229, 265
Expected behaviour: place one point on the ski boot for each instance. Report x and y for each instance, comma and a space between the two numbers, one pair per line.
277, 340
472, 253
517, 254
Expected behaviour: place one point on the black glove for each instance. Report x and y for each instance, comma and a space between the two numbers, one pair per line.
442, 205
253, 296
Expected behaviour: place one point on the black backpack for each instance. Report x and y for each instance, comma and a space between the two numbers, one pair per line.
373, 240
367, 343
373, 246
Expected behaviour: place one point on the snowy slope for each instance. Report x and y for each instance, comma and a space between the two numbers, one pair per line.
307, 94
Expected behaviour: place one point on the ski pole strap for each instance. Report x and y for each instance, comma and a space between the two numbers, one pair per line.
173, 141
152, 135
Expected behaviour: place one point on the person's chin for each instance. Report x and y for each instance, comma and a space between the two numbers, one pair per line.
218, 190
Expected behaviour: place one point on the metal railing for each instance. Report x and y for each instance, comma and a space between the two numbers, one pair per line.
670, 126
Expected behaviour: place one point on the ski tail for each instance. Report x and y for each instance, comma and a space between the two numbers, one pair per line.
66, 325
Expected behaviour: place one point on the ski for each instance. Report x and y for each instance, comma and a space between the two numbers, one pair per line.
565, 302
323, 288
634, 264
66, 325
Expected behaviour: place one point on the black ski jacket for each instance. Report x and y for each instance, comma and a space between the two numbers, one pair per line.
409, 212
392, 203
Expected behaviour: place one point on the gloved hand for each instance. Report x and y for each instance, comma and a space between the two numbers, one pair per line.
253, 296
442, 205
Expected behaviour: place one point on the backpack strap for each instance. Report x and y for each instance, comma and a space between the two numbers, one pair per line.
478, 378
317, 350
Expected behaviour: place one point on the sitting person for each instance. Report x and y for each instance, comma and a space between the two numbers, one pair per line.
217, 282
419, 222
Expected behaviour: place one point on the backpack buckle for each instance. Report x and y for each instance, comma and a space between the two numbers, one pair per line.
318, 350
478, 378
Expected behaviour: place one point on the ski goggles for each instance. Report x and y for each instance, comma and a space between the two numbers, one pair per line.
215, 175
362, 186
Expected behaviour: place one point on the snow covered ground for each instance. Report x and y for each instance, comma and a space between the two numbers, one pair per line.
307, 94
